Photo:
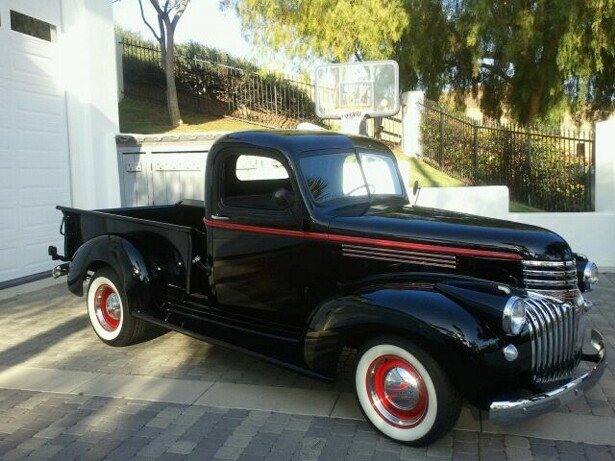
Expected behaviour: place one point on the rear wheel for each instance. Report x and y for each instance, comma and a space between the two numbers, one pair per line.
404, 393
108, 311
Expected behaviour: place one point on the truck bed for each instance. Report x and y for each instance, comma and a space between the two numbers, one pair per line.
169, 236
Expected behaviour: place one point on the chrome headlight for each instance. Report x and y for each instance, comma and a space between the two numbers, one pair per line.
590, 273
513, 318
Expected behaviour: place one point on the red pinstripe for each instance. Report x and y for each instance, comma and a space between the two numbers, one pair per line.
364, 240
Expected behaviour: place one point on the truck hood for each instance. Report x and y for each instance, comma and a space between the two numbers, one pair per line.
447, 228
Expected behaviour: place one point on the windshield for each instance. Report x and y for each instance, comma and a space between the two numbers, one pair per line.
346, 175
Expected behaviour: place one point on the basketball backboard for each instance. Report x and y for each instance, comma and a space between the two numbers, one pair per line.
370, 87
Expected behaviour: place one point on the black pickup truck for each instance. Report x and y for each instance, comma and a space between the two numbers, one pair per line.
307, 243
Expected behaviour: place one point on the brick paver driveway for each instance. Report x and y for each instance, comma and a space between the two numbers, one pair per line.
48, 329
43, 426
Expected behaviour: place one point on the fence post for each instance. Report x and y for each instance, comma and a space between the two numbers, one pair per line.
119, 66
275, 98
411, 122
441, 149
475, 152
528, 159
605, 166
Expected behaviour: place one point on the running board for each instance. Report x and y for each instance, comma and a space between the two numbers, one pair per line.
244, 325
293, 363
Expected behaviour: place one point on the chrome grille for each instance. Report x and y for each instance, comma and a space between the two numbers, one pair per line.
557, 279
556, 333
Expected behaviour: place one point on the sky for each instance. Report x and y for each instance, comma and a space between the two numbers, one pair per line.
202, 22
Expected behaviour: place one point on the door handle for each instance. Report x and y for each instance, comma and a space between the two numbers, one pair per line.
217, 217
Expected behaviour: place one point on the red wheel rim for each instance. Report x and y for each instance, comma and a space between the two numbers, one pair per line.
108, 307
397, 391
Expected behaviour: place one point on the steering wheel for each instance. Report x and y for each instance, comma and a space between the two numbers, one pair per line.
370, 188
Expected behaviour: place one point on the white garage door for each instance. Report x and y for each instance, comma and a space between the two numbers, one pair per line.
34, 164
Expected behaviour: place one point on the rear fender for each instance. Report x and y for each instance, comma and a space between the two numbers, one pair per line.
122, 257
441, 326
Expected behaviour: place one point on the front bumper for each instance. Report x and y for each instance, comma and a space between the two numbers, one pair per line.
512, 411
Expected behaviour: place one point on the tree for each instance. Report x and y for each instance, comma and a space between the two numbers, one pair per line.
532, 58
334, 30
168, 15
536, 58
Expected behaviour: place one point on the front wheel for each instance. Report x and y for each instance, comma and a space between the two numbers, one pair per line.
404, 393
108, 311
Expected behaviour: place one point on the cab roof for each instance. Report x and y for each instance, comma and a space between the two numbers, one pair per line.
294, 142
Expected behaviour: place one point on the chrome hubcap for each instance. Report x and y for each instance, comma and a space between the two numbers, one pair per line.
401, 389
107, 307
397, 391
113, 306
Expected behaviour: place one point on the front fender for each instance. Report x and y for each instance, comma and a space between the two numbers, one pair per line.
463, 343
122, 257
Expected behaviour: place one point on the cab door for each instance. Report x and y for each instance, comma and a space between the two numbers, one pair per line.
257, 251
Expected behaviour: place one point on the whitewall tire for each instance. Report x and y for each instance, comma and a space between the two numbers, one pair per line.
109, 313
105, 308
404, 393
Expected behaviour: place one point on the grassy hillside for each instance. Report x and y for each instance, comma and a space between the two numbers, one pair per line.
428, 176
147, 117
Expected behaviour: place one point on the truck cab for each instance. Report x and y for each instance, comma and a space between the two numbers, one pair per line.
307, 243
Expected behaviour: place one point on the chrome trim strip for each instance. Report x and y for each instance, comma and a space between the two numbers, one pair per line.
400, 256
549, 273
394, 252
569, 345
549, 263
514, 411
565, 295
551, 283
399, 259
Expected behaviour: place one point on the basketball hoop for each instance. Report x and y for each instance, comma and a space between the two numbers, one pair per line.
353, 91
371, 87
351, 122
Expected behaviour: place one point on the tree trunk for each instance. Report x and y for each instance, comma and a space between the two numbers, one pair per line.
534, 106
163, 43
169, 69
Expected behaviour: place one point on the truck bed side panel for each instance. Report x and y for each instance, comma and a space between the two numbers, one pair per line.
167, 248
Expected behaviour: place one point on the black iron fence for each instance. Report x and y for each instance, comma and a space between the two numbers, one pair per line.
208, 85
205, 85
547, 170
266, 98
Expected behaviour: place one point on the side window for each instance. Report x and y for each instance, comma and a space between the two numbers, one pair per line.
37, 28
249, 181
258, 168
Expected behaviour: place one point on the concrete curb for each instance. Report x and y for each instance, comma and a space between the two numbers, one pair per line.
554, 426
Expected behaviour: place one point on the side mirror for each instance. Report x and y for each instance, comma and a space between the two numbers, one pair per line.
283, 198
416, 188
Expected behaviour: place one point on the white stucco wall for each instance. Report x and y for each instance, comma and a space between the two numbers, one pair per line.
485, 200
411, 122
89, 78
58, 119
